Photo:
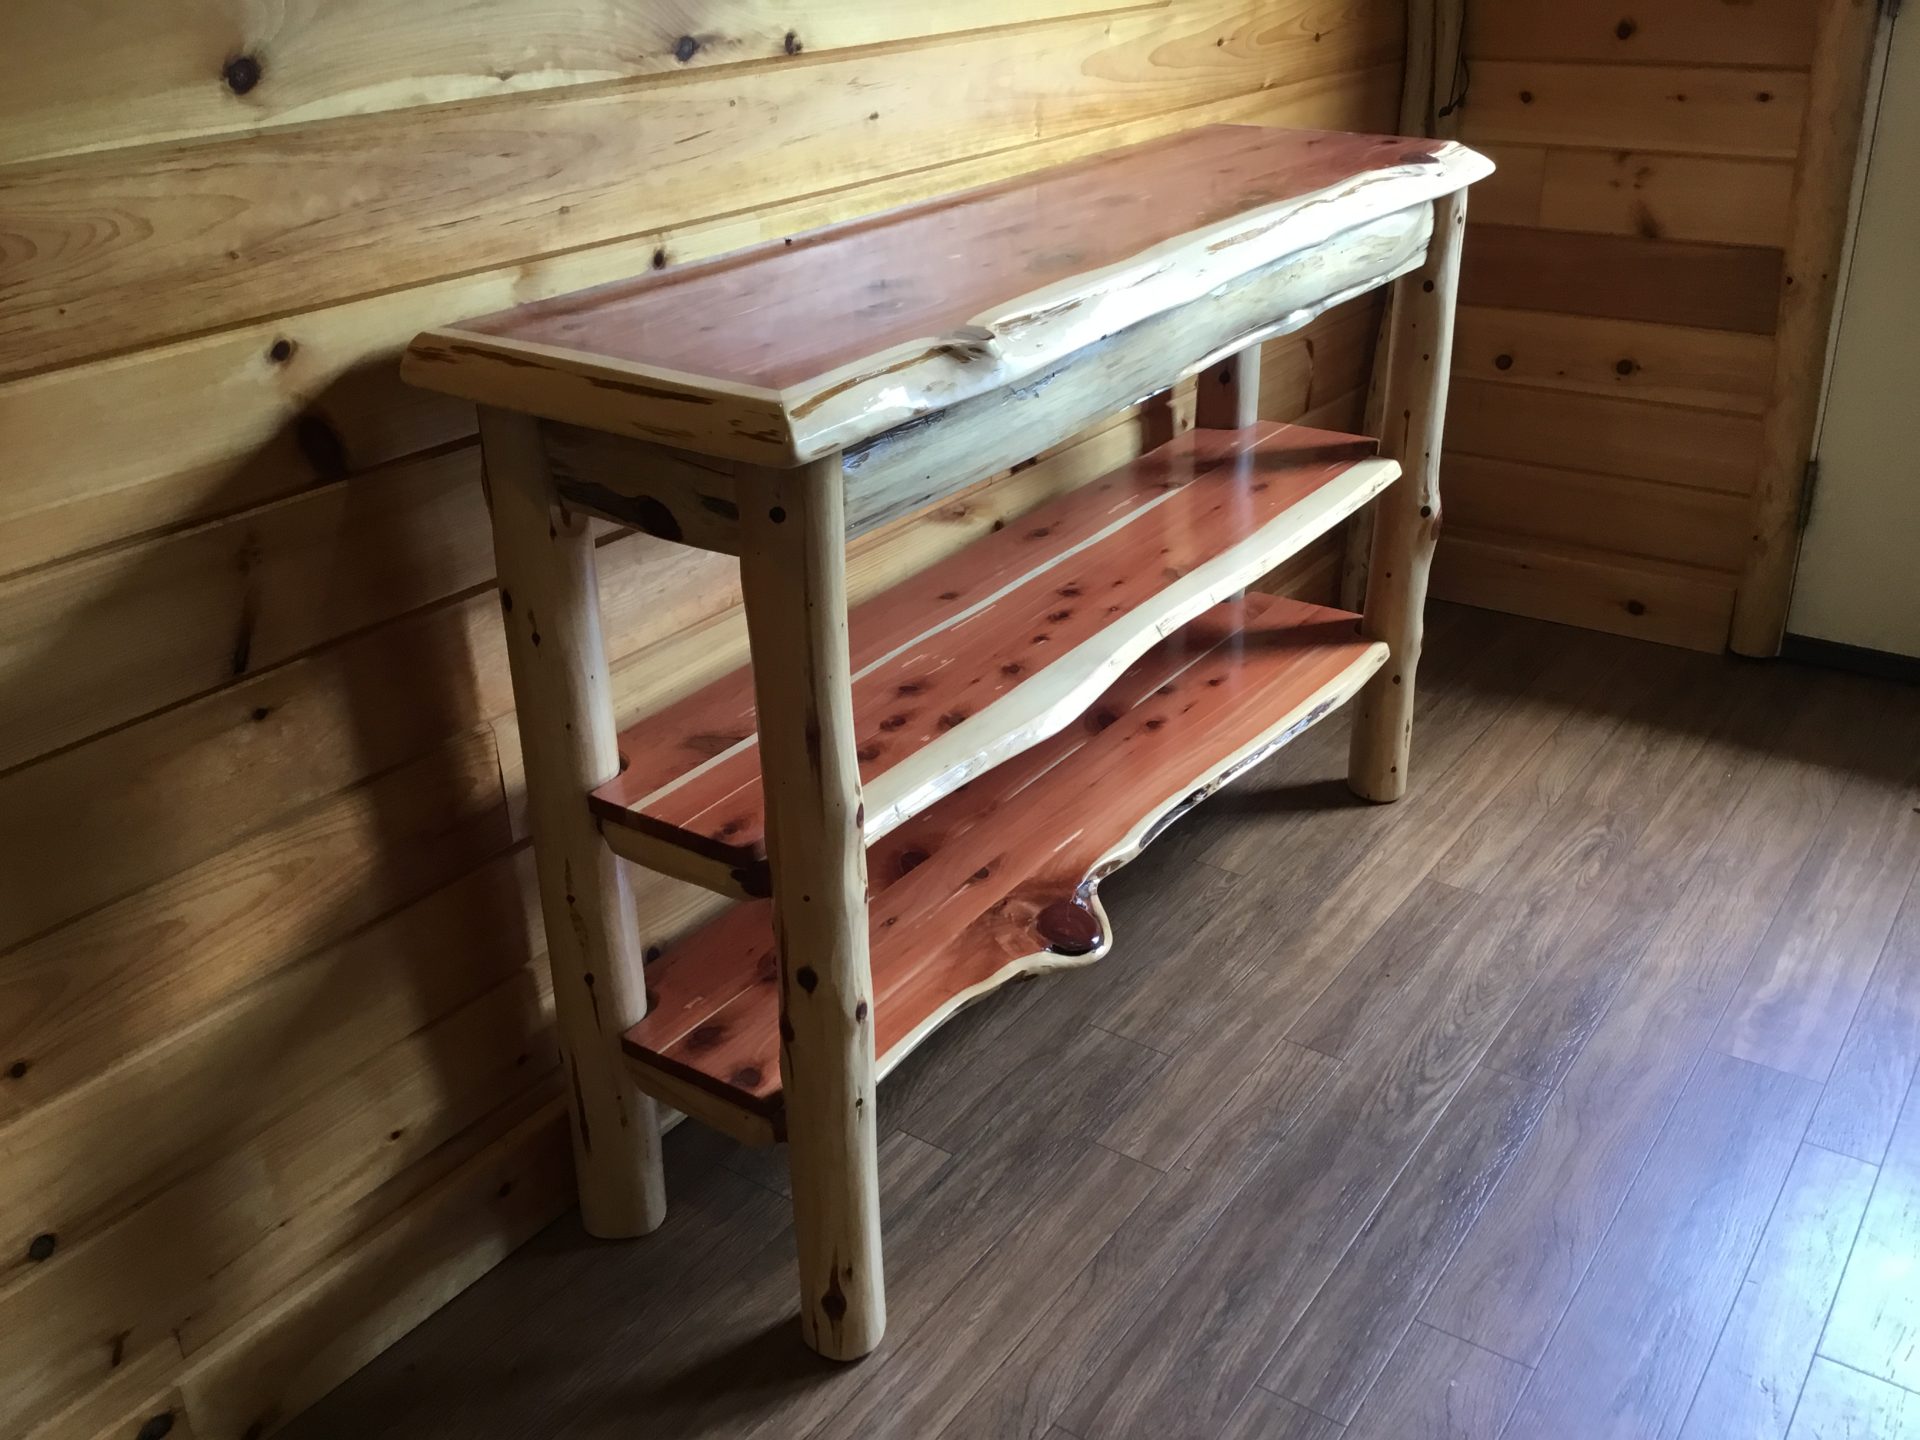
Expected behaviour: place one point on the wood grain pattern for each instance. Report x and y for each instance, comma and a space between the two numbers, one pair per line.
567, 162
1691, 109
1842, 59
1628, 517
213, 424
1877, 1059
1674, 604
1439, 1388
1003, 643
235, 374
1620, 277
1843, 1404
1605, 434
1681, 365
1667, 197
1520, 1266
1875, 1323
1770, 32
1185, 719
1359, 1323
228, 67
1685, 1235
1754, 1379
1025, 1087
1804, 986
825, 365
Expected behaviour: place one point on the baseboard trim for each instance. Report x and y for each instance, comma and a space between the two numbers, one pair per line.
1881, 664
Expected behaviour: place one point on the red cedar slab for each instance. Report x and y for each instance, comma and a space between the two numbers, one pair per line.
1043, 594
787, 350
988, 884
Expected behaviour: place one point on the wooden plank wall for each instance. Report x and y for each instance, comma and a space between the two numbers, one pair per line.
275, 1071
1623, 272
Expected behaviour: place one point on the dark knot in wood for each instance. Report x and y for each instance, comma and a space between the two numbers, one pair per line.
241, 73
1068, 928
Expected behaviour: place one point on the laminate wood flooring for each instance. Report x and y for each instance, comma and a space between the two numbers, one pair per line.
1573, 1096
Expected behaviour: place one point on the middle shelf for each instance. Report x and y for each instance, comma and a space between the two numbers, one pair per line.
999, 646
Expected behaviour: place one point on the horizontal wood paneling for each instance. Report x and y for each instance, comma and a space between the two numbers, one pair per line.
1682, 365
1688, 109
1621, 292
1667, 197
1594, 589
220, 423
1706, 449
166, 72
269, 958
1753, 32
122, 977
1716, 287
210, 233
1636, 518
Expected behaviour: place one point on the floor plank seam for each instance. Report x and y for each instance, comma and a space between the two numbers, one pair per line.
1600, 1240
1299, 1405
1879, 1177
1740, 1285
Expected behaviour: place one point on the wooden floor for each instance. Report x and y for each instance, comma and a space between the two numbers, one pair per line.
1570, 1097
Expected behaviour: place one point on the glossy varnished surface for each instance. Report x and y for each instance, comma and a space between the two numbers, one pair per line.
791, 349
1010, 613
1525, 1108
782, 314
1000, 877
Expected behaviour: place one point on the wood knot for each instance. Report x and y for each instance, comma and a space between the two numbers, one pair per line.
806, 979
1503, 362
281, 351
1626, 29
685, 48
156, 1426
41, 1247
792, 42
1625, 367
241, 74
1068, 928
18, 1070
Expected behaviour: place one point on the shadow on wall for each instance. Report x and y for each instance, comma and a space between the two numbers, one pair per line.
266, 924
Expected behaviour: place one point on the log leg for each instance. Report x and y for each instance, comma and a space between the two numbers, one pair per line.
1407, 517
793, 572
552, 609
1227, 393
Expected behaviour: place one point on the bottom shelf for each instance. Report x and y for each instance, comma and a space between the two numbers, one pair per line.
1000, 878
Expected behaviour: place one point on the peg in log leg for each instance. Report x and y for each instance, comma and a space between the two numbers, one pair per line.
551, 605
793, 572
1407, 517
1227, 393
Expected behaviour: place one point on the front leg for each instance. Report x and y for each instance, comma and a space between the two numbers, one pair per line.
793, 571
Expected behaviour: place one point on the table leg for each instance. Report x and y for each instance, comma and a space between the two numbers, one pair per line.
1407, 517
793, 572
551, 606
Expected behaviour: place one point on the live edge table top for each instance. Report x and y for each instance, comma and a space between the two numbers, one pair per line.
789, 350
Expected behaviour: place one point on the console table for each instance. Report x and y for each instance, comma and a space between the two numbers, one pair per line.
913, 803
